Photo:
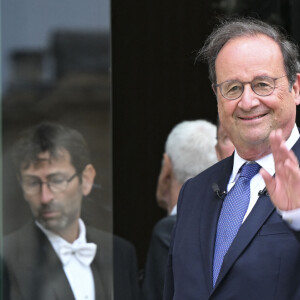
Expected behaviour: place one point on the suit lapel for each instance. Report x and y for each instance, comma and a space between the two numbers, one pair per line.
258, 216
209, 220
102, 265
296, 148
39, 269
57, 279
52, 273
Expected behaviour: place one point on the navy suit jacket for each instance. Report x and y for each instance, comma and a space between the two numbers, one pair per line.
263, 261
33, 271
157, 257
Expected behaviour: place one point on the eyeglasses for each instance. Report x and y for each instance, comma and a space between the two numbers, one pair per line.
56, 184
261, 86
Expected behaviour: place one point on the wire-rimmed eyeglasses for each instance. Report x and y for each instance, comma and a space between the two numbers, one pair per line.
56, 184
261, 86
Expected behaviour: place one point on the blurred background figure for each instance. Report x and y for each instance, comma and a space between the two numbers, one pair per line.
224, 146
189, 149
56, 255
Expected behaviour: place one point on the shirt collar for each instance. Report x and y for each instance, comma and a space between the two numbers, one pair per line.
266, 162
174, 211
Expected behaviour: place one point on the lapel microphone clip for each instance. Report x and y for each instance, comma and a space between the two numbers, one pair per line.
263, 192
219, 194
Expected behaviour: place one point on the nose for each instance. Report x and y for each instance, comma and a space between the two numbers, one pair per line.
248, 99
46, 194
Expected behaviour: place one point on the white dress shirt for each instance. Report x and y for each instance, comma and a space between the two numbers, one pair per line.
173, 211
80, 276
257, 183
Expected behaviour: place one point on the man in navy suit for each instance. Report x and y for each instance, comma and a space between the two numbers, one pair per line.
254, 69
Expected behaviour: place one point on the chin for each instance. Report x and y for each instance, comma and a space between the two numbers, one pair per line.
256, 138
53, 224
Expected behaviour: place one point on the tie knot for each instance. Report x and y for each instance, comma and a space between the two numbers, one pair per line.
249, 170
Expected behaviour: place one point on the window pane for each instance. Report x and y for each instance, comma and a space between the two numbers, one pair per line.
56, 68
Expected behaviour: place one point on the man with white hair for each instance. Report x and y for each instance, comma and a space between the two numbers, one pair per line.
189, 149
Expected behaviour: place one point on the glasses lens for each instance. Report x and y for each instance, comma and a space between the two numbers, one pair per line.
31, 186
231, 89
57, 184
263, 86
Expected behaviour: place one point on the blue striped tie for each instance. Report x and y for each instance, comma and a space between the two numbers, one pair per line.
232, 213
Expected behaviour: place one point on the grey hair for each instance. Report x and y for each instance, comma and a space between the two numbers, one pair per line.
191, 148
229, 29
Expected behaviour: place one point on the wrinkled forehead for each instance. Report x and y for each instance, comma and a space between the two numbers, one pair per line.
240, 59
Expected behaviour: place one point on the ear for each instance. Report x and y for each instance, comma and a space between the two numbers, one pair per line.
296, 89
164, 182
88, 176
19, 178
214, 88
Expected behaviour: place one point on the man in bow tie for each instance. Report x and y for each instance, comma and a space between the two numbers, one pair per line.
229, 240
56, 256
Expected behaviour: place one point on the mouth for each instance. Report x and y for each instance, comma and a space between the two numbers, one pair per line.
48, 214
253, 117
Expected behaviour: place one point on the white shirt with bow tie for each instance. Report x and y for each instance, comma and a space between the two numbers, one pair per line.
76, 259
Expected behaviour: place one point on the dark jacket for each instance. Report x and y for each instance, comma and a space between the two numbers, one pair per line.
157, 257
33, 271
263, 261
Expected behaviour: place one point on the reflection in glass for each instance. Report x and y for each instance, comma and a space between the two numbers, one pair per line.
55, 251
55, 75
55, 66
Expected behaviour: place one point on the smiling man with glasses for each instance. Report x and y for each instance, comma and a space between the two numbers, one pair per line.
57, 256
229, 240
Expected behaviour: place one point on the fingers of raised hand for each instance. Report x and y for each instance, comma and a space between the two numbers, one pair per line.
278, 147
282, 155
269, 180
